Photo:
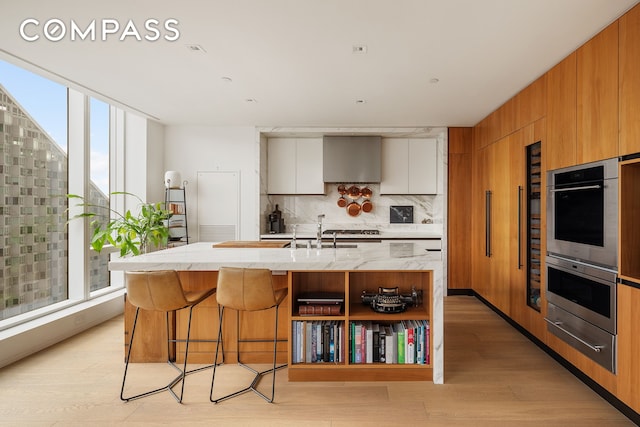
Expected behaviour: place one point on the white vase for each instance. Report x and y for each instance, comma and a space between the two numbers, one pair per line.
172, 179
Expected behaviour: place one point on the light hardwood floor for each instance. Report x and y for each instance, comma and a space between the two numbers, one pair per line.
494, 377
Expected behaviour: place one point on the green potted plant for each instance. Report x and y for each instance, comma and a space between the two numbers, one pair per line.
132, 234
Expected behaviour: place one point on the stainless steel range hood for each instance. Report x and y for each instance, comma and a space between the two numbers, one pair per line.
351, 159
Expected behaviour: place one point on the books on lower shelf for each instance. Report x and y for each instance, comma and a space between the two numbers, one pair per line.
404, 342
317, 341
320, 341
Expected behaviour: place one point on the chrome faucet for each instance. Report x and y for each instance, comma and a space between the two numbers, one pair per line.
319, 235
294, 244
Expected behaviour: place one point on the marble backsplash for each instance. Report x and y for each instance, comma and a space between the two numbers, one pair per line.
428, 210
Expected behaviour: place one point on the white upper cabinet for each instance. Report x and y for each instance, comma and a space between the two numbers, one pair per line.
409, 166
294, 166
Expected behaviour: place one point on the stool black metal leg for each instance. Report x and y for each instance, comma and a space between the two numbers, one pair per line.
219, 340
182, 372
126, 365
258, 374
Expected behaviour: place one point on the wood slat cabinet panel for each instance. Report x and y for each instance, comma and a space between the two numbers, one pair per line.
493, 127
597, 97
459, 200
629, 75
507, 116
482, 163
490, 248
629, 346
502, 216
481, 134
531, 103
560, 149
517, 230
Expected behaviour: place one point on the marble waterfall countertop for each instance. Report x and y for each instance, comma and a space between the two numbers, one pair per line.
203, 256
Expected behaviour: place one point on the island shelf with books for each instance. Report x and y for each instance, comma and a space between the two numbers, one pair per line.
360, 341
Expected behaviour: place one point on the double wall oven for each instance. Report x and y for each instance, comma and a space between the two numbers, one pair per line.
582, 258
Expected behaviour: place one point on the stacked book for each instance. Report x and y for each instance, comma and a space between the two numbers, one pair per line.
404, 342
320, 304
317, 341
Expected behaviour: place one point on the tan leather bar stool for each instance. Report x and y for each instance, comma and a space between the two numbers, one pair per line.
244, 289
162, 291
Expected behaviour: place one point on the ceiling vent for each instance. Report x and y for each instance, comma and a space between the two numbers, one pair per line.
359, 49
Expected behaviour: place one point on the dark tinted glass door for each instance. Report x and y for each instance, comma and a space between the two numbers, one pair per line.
590, 294
579, 206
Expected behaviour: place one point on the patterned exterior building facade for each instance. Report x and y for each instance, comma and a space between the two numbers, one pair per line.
33, 245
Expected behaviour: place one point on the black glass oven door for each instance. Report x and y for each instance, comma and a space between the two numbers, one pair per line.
585, 292
579, 207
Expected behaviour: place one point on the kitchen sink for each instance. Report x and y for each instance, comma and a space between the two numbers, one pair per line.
329, 246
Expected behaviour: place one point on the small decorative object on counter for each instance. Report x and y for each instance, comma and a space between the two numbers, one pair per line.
390, 300
401, 214
172, 179
276, 222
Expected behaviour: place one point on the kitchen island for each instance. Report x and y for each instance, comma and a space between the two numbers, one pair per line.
349, 269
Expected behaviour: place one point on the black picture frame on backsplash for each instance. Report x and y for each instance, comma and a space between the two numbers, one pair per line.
401, 214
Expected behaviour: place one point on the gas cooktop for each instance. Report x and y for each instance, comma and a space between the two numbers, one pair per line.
369, 231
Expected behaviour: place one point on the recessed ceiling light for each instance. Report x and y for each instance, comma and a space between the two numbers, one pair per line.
434, 80
226, 79
361, 101
359, 48
195, 48
250, 100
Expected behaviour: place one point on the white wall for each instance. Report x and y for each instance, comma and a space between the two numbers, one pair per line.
155, 161
193, 149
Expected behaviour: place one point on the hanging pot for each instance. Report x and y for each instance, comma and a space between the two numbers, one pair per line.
354, 192
367, 206
366, 192
342, 189
353, 209
342, 202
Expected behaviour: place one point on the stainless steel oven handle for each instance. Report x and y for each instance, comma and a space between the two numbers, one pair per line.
596, 348
584, 187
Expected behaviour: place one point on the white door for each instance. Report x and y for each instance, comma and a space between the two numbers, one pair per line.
218, 206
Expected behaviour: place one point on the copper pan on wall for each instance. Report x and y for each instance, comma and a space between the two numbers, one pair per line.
367, 206
353, 209
366, 192
354, 192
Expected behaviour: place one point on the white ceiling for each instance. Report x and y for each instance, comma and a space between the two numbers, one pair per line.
294, 57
